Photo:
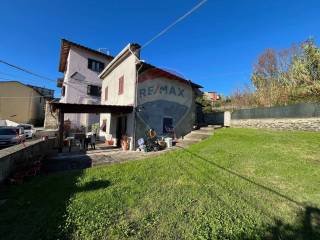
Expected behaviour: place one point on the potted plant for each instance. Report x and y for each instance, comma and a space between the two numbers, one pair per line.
125, 142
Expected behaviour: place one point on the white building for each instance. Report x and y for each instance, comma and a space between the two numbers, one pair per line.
81, 84
162, 100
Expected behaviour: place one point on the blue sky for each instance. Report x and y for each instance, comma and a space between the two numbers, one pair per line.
216, 46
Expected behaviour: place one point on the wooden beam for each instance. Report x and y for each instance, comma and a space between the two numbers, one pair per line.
61, 126
90, 108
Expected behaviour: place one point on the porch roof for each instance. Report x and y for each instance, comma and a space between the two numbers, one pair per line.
90, 108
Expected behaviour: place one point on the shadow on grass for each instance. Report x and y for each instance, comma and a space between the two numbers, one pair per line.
306, 226
37, 208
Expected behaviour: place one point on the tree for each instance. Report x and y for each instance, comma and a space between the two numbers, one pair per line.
265, 70
205, 102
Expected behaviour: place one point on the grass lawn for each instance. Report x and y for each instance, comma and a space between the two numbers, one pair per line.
238, 184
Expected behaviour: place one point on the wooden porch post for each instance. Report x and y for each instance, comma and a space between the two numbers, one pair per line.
61, 125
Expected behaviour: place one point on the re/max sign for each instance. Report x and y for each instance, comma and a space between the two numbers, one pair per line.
162, 90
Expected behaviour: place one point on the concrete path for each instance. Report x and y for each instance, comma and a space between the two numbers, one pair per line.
103, 155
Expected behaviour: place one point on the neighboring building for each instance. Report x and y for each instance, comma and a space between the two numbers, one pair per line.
23, 103
81, 84
212, 96
163, 101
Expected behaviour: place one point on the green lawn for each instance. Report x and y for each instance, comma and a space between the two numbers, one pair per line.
238, 184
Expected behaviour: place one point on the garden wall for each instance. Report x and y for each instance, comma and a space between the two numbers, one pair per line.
218, 118
19, 156
303, 116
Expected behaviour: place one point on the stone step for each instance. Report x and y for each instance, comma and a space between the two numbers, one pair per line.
204, 132
195, 136
207, 128
187, 142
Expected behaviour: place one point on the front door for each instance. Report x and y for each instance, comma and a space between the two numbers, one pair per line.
121, 129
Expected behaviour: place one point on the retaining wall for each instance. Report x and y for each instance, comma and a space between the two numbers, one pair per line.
20, 156
303, 124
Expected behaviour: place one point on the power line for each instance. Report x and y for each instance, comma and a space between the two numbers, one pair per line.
38, 75
174, 23
16, 76
27, 71
28, 97
144, 45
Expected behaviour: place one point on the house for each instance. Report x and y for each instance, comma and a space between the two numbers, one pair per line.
212, 96
81, 83
162, 100
23, 103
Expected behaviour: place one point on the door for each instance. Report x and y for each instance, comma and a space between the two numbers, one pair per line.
167, 125
121, 129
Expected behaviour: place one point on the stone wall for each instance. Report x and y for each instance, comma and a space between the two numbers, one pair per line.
51, 119
303, 124
19, 156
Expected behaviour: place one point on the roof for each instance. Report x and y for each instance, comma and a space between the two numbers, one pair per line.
42, 90
90, 108
131, 47
64, 51
34, 88
159, 72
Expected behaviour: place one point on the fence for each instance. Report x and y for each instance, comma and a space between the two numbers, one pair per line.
303, 116
301, 110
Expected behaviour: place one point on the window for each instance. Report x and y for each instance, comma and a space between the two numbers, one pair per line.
104, 125
63, 91
95, 65
121, 82
106, 94
8, 131
93, 90
167, 125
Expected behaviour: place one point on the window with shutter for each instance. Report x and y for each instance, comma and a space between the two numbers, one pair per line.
106, 94
121, 83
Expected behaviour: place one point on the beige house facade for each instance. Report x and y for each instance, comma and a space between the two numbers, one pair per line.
23, 103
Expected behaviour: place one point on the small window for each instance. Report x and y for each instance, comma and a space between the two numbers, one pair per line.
106, 94
63, 91
121, 83
167, 125
93, 90
104, 125
95, 65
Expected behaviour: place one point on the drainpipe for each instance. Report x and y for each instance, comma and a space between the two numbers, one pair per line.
135, 104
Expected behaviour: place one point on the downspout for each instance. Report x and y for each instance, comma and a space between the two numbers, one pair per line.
135, 104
